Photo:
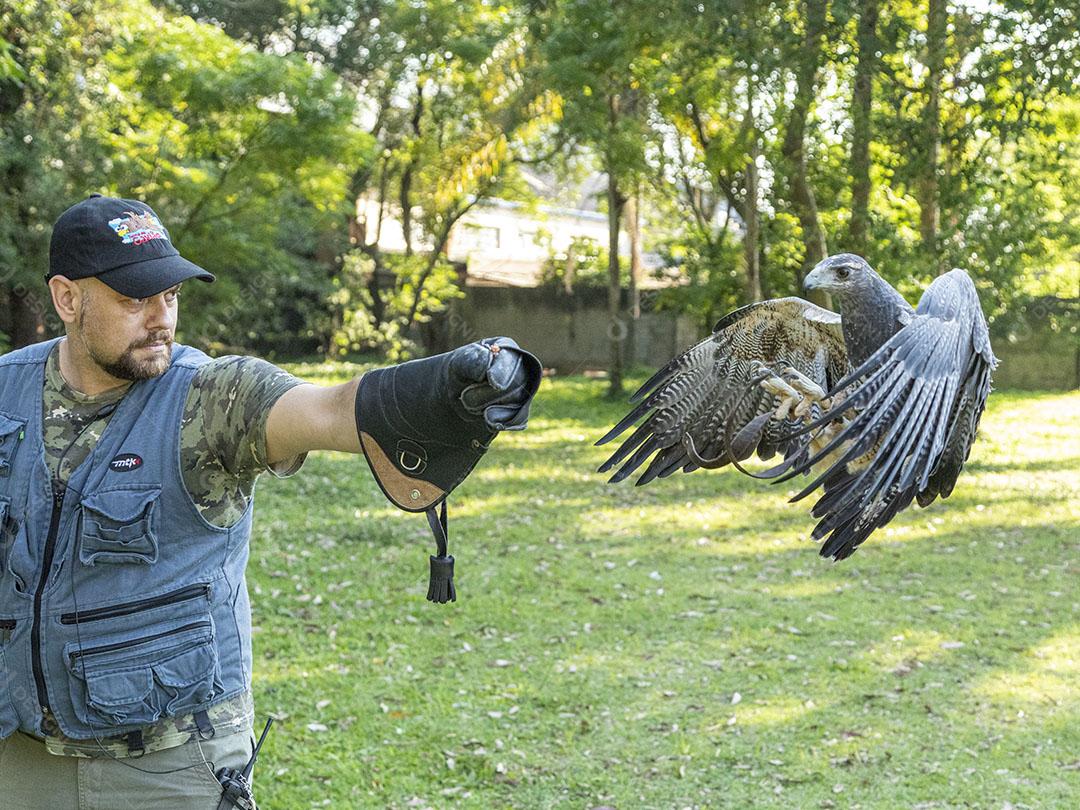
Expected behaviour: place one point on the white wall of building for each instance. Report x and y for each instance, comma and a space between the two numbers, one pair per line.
501, 242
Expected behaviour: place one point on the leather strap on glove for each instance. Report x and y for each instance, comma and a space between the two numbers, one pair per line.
425, 424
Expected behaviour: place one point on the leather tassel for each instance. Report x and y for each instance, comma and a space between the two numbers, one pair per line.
441, 584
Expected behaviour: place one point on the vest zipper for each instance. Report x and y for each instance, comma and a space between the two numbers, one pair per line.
126, 608
58, 489
122, 645
46, 567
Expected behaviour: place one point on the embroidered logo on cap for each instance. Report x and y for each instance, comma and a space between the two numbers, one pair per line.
125, 462
137, 228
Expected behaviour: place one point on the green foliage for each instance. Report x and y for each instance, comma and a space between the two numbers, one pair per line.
714, 280
244, 130
586, 262
42, 138
250, 155
360, 331
244, 155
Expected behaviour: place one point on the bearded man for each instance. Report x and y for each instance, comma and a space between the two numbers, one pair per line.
127, 471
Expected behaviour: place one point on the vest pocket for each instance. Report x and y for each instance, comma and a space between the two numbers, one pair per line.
118, 527
7, 534
9, 719
11, 433
135, 681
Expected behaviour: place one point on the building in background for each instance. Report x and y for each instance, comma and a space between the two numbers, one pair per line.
502, 248
503, 243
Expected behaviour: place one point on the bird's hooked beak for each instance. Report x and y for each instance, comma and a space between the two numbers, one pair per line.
816, 277
821, 276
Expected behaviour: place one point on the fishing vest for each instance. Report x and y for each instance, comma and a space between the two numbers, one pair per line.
119, 603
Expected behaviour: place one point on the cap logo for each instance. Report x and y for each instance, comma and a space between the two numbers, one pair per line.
137, 228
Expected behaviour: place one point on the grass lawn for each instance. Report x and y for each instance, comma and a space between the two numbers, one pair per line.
676, 645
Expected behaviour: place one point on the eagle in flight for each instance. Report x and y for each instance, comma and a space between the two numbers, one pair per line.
880, 402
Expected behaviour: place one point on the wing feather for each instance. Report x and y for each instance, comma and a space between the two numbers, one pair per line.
917, 403
695, 396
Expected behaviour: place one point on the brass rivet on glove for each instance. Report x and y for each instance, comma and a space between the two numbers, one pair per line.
415, 494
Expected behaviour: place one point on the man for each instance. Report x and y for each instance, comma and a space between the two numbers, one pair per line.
127, 472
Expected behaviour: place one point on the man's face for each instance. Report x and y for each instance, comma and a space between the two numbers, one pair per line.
129, 338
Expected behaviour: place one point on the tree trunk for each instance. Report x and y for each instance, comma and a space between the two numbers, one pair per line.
862, 99
407, 175
616, 325
750, 209
794, 151
937, 20
571, 269
406, 209
632, 215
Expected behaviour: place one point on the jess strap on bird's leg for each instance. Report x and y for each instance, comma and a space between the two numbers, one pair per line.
424, 425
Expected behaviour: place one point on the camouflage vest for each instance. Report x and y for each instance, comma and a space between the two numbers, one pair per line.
119, 604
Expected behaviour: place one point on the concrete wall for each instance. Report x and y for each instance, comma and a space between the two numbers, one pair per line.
569, 334
1039, 361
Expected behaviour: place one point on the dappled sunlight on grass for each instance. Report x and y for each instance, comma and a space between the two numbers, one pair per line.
911, 648
674, 639
802, 590
1045, 678
772, 711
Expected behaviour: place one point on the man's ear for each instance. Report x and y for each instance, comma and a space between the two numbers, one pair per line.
67, 298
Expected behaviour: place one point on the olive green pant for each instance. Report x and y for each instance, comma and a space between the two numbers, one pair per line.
33, 779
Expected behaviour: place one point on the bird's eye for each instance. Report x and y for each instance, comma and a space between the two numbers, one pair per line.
841, 272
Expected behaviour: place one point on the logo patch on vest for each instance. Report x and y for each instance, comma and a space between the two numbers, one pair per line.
125, 462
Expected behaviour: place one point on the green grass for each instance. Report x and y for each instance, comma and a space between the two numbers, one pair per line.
677, 645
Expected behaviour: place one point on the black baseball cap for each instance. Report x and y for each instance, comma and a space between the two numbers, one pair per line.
121, 243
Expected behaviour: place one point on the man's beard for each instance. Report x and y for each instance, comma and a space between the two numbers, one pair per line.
128, 367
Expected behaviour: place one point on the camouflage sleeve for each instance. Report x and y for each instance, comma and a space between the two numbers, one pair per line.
225, 416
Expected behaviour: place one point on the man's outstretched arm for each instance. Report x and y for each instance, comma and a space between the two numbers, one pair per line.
312, 417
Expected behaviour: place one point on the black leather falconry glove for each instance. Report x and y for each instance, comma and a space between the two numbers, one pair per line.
425, 424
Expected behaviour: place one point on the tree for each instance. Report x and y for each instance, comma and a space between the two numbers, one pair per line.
594, 60
937, 19
801, 194
861, 131
43, 47
444, 97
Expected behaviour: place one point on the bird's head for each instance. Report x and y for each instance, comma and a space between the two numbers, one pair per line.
839, 274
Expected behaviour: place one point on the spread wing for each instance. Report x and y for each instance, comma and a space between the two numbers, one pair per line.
914, 408
688, 403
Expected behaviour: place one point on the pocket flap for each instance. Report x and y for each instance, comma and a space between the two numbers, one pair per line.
186, 669
9, 437
119, 687
121, 505
9, 426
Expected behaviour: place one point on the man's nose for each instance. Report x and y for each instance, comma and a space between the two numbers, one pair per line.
159, 315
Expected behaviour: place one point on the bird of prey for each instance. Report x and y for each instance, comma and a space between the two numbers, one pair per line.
881, 402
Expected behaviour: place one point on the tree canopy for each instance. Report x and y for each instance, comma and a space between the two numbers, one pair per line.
748, 139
